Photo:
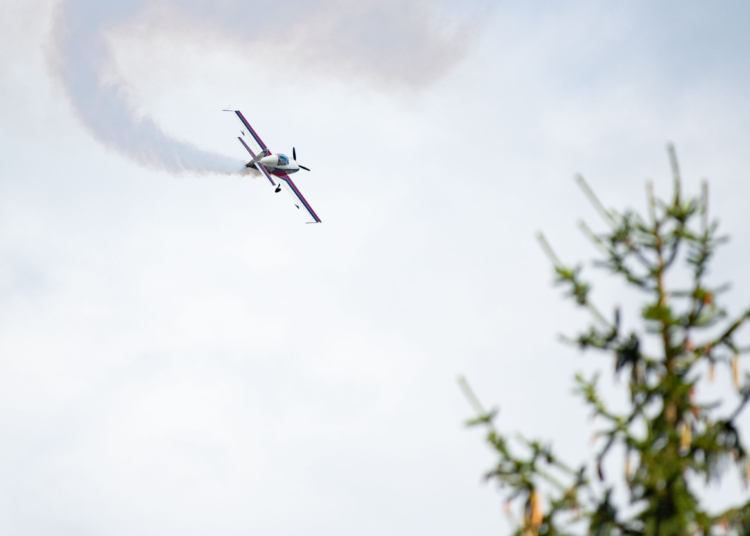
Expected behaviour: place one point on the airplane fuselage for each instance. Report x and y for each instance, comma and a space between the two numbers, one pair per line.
278, 164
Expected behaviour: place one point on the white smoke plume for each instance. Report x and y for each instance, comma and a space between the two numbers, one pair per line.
407, 43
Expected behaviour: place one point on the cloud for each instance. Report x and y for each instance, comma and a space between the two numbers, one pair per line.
394, 43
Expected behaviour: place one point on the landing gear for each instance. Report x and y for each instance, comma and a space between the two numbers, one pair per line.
278, 189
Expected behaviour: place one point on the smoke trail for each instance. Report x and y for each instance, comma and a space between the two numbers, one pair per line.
81, 56
401, 41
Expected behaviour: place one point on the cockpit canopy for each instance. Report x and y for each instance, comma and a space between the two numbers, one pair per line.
283, 160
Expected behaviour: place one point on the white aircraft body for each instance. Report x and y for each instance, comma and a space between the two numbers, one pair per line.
273, 166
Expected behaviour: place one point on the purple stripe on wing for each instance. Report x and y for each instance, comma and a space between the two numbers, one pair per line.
250, 129
299, 195
263, 170
246, 147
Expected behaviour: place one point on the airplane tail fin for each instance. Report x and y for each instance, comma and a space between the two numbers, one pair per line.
257, 159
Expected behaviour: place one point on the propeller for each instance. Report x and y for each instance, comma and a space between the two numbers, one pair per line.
294, 155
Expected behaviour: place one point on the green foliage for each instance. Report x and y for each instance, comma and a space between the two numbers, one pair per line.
668, 438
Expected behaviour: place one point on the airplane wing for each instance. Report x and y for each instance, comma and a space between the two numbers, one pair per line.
299, 200
249, 136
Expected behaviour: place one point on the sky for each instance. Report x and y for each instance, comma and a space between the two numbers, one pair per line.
180, 353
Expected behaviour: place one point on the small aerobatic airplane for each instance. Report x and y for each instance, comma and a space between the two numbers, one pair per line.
278, 166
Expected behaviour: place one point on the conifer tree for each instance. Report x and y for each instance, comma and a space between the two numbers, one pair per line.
671, 442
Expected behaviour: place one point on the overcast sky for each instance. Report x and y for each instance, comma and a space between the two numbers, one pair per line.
181, 354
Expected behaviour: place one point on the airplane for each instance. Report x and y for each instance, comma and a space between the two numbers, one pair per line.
278, 166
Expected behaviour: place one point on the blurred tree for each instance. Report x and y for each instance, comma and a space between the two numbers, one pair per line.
669, 440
